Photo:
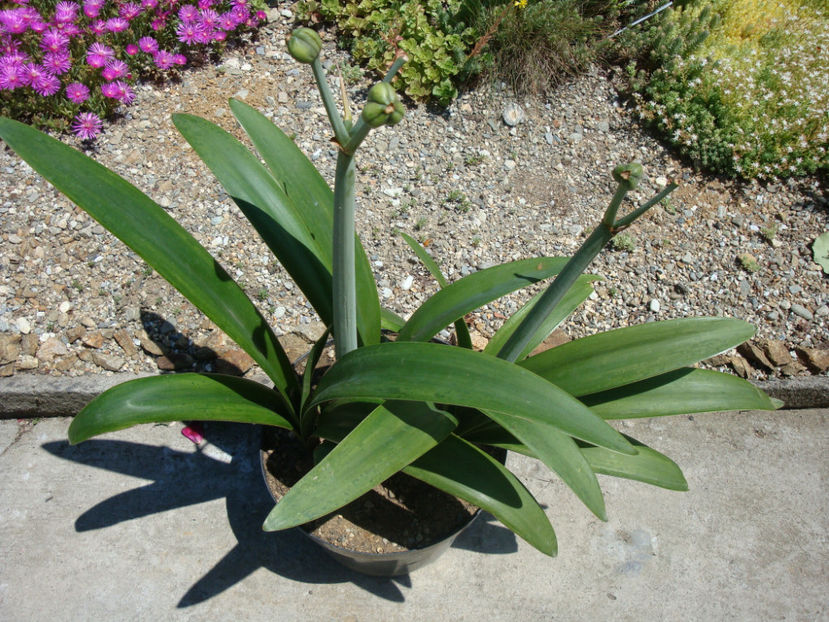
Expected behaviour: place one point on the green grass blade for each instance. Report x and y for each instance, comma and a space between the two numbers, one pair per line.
442, 374
461, 329
577, 294
682, 391
391, 437
164, 244
426, 259
619, 357
473, 291
461, 469
305, 187
177, 397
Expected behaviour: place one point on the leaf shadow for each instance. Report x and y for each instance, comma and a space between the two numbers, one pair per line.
227, 466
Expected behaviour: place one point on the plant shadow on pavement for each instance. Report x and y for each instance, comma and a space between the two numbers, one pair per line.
226, 466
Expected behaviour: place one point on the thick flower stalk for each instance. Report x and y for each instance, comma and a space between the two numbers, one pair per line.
627, 177
383, 107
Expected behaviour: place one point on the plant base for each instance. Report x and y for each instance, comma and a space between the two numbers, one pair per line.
399, 526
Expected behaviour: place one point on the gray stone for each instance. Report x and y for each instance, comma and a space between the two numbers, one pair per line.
802, 311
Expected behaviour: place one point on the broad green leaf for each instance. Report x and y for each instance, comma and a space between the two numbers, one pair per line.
648, 465
561, 454
461, 469
576, 295
678, 392
177, 397
473, 291
461, 330
619, 357
272, 213
308, 190
391, 437
148, 230
431, 372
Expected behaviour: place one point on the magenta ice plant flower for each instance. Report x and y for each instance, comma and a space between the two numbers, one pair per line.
188, 13
87, 125
66, 12
129, 10
123, 92
92, 8
13, 22
12, 76
98, 27
190, 32
99, 54
46, 84
148, 45
53, 40
110, 89
115, 69
163, 59
179, 59
77, 92
117, 24
57, 63
131, 49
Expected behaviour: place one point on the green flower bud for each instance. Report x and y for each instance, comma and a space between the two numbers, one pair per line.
305, 45
628, 174
383, 106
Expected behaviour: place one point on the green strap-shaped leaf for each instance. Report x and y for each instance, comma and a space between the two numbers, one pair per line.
177, 397
576, 295
560, 453
148, 230
272, 213
473, 291
431, 372
461, 330
391, 437
389, 320
536, 412
308, 190
682, 391
619, 357
461, 469
648, 465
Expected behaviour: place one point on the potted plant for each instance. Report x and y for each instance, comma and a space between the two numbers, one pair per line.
405, 404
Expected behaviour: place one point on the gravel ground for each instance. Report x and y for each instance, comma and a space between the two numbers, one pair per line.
477, 191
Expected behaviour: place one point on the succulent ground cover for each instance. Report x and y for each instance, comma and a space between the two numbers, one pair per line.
71, 64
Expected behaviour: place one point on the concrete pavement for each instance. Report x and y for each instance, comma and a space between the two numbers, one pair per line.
143, 525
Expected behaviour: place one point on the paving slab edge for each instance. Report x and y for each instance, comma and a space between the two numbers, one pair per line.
32, 395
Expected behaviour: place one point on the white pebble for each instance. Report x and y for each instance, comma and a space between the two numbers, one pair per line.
655, 306
407, 283
23, 325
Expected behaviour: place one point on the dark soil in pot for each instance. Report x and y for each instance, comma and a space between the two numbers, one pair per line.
401, 514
